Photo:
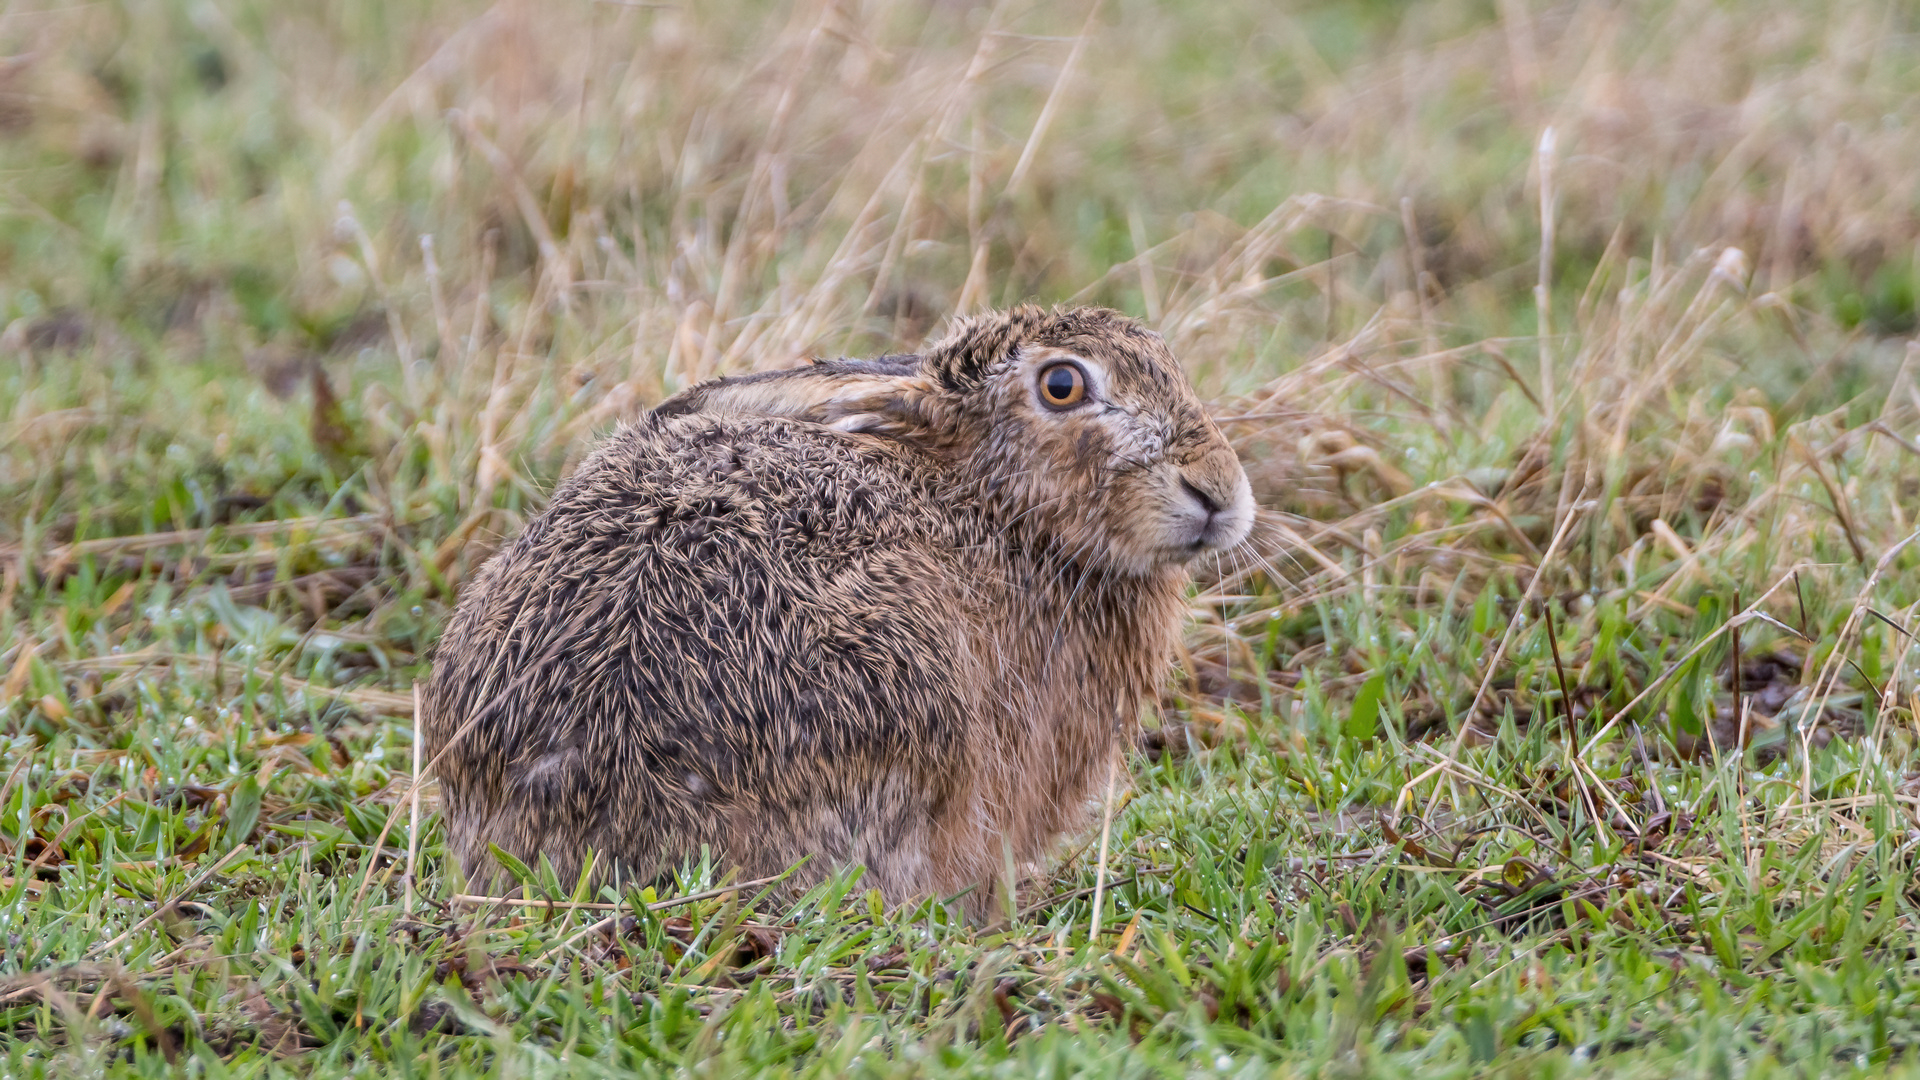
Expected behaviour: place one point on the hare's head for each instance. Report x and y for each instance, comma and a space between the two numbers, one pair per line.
1078, 426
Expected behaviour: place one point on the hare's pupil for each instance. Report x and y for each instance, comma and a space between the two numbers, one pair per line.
1060, 383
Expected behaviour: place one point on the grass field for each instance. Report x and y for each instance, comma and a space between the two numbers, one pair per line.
1563, 723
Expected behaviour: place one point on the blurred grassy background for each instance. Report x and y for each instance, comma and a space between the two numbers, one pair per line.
1586, 317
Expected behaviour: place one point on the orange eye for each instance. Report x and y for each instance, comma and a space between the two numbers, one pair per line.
1063, 385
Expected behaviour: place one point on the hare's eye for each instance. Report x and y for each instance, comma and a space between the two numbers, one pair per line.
1063, 385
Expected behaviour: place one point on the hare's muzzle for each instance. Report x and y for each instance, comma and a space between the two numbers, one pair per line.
1215, 510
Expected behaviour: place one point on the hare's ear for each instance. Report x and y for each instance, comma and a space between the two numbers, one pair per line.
889, 396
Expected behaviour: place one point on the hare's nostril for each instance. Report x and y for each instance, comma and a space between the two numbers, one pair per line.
1207, 502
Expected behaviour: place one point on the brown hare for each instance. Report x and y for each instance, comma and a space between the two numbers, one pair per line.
897, 612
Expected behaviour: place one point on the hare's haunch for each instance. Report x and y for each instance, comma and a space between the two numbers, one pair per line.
895, 612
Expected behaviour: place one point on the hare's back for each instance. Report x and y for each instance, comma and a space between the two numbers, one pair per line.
732, 596
715, 504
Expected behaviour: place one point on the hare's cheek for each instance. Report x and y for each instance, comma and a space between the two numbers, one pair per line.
1133, 528
1091, 448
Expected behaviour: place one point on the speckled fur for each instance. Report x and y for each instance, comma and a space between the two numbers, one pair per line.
889, 612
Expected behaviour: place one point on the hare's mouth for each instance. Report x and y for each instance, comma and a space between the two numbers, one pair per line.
1219, 535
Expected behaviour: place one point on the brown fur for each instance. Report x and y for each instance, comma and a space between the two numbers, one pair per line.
891, 612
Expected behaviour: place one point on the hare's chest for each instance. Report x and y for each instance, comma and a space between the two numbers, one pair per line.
1076, 663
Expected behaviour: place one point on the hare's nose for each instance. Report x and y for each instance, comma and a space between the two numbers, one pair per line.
1207, 502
